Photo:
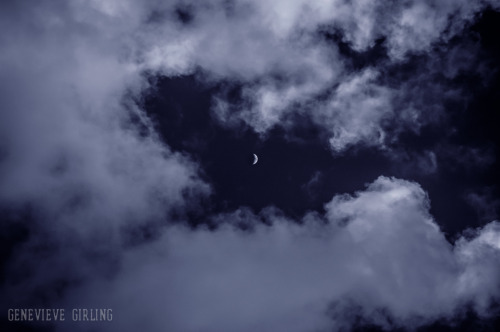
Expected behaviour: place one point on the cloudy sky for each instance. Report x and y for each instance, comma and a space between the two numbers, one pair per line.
127, 130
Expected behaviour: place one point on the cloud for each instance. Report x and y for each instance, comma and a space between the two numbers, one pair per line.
82, 160
302, 72
484, 203
274, 52
70, 116
378, 251
356, 111
312, 184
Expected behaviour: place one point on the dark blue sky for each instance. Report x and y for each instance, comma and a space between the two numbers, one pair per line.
297, 172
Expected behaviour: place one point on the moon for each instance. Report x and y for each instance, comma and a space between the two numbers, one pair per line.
255, 159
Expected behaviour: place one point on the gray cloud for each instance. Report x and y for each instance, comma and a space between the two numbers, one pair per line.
66, 117
378, 249
484, 203
72, 154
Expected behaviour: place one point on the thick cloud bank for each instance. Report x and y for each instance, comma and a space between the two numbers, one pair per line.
73, 140
377, 255
80, 166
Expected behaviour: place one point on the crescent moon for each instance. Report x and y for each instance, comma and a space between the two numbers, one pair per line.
255, 159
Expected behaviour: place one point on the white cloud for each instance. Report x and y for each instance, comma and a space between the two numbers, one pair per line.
378, 249
356, 111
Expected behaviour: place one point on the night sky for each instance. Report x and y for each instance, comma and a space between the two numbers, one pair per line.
127, 135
